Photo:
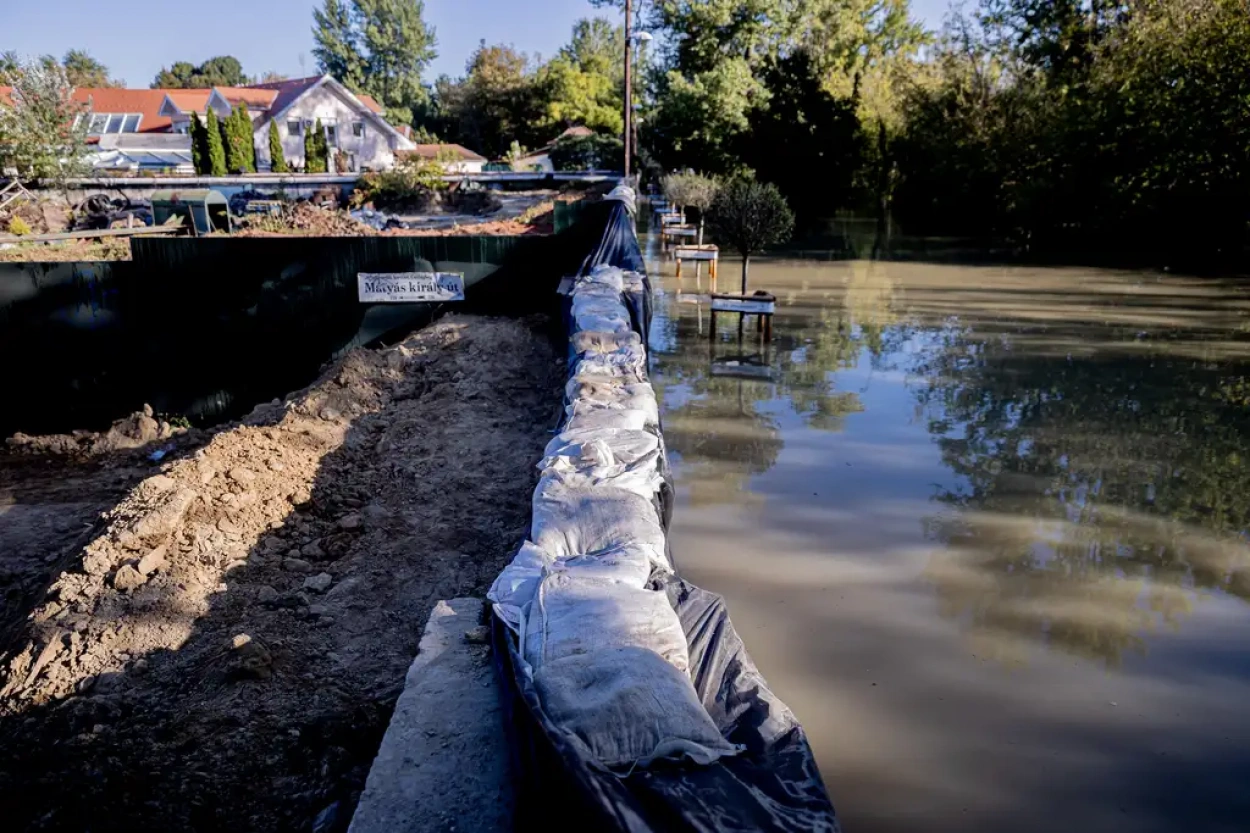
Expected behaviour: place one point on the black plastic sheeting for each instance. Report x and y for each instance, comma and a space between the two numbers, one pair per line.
774, 785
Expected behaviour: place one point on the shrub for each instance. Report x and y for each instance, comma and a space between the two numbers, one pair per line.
277, 157
596, 152
19, 227
750, 215
411, 184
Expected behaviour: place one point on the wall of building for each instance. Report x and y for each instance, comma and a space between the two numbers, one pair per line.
373, 150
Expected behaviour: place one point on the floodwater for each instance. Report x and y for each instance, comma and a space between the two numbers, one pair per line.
984, 530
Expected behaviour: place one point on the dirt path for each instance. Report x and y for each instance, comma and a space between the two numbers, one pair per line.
225, 650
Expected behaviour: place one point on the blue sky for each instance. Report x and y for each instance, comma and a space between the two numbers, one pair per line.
136, 38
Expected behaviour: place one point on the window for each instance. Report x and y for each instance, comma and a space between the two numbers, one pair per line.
294, 127
358, 129
101, 123
131, 124
98, 122
115, 123
332, 135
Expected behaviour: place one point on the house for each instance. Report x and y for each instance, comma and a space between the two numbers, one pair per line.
358, 136
457, 159
355, 130
540, 159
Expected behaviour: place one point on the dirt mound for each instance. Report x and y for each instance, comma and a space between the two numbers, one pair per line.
224, 651
304, 218
140, 429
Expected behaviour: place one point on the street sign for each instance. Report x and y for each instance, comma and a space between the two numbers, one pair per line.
409, 287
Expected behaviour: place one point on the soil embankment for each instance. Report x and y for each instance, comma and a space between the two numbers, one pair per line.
222, 648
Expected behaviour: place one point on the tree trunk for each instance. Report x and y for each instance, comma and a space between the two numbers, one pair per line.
746, 263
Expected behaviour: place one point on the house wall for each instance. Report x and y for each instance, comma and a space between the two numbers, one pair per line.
373, 150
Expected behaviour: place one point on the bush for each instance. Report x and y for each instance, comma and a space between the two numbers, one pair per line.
277, 157
750, 215
411, 184
596, 152
19, 227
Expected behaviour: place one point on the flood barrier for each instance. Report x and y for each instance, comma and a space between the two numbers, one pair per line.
208, 327
632, 704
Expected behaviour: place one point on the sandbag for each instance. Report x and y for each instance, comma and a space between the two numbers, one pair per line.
574, 614
609, 419
577, 521
589, 341
627, 708
627, 364
594, 448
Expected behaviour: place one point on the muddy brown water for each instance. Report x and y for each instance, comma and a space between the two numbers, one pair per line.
984, 530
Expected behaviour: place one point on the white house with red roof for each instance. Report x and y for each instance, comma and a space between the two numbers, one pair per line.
148, 129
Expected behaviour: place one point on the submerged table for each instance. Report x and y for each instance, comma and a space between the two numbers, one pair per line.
762, 305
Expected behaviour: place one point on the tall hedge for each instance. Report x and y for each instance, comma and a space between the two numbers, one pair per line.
199, 145
316, 150
277, 157
240, 147
216, 147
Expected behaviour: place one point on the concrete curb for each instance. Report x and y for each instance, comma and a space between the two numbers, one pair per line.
443, 764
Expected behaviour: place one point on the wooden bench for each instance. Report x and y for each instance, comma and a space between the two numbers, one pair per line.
761, 305
707, 253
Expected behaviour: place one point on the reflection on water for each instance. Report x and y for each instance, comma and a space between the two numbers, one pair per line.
1012, 492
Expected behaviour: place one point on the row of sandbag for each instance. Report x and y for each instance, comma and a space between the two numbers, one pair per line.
598, 637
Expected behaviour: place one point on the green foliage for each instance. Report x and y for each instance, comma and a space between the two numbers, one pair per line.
690, 190
84, 71
42, 135
199, 145
495, 104
18, 226
240, 145
316, 151
379, 47
216, 147
595, 152
277, 156
411, 184
222, 71
750, 215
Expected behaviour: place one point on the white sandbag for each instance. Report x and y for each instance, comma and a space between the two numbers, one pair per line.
608, 420
622, 402
629, 708
606, 388
602, 275
627, 565
592, 448
516, 586
633, 282
642, 478
572, 521
600, 315
589, 341
628, 364
576, 614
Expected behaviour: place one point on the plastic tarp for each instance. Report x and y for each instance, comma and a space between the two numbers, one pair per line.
635, 706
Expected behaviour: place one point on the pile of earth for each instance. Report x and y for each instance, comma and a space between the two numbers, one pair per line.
221, 648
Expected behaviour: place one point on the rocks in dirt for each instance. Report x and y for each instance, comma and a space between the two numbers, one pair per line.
153, 561
343, 588
165, 516
127, 578
241, 475
251, 660
349, 522
319, 583
266, 594
312, 550
296, 565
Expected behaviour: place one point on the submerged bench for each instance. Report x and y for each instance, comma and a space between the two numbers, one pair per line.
761, 304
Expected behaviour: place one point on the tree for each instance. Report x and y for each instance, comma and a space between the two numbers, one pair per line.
240, 144
85, 71
200, 154
691, 190
222, 71
216, 148
595, 152
316, 151
42, 134
584, 83
379, 47
277, 156
749, 215
10, 65
495, 104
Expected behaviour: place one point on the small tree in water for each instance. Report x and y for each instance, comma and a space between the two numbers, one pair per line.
750, 215
692, 191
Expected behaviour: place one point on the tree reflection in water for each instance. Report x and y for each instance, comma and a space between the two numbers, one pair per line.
1102, 492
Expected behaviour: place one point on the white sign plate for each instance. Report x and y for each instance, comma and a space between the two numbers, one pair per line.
749, 307
409, 287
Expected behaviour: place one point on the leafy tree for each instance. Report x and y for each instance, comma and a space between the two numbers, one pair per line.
240, 144
222, 71
42, 135
587, 153
379, 47
495, 104
316, 151
216, 147
691, 190
10, 66
749, 215
84, 71
277, 156
584, 83
200, 154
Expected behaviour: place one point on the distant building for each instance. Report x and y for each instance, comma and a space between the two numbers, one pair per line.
456, 158
356, 132
540, 160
